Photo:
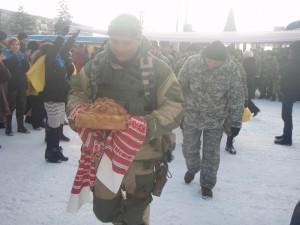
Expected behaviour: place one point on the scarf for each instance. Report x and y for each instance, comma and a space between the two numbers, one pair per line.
115, 150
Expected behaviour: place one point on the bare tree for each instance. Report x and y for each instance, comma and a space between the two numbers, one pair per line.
64, 19
22, 22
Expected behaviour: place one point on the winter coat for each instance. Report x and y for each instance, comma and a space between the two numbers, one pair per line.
58, 68
17, 65
290, 81
56, 84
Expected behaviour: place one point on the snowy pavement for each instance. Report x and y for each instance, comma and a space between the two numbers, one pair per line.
258, 186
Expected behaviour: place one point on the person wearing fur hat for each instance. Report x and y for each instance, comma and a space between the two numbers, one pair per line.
213, 92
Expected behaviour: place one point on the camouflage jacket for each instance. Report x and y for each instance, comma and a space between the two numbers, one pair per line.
211, 97
162, 120
243, 77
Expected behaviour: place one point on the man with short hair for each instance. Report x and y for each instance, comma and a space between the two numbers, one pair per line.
213, 92
145, 86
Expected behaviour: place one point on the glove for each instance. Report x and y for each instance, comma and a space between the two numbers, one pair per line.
235, 131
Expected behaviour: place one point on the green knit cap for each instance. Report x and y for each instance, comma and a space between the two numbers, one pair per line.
125, 25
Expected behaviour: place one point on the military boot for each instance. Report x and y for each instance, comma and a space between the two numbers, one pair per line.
206, 193
189, 177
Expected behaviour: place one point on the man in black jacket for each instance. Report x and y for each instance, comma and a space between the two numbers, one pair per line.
290, 84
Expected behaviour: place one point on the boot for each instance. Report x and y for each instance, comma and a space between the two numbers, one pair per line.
206, 193
21, 127
229, 145
283, 141
230, 149
189, 177
8, 130
279, 137
52, 155
61, 155
256, 112
62, 136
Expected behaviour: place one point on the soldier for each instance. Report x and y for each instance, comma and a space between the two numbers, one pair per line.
126, 72
213, 93
227, 126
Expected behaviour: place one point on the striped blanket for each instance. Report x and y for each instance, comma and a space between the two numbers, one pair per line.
114, 149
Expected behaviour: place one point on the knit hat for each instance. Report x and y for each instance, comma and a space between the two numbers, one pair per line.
216, 50
125, 25
3, 35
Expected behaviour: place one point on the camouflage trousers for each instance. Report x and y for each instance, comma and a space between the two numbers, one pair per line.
209, 164
131, 205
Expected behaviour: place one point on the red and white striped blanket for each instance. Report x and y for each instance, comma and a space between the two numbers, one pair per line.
115, 149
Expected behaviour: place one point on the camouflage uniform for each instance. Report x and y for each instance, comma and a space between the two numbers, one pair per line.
211, 97
138, 184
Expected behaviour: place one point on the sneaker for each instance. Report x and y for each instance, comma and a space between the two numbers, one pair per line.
23, 130
283, 142
230, 149
61, 155
206, 193
64, 138
188, 177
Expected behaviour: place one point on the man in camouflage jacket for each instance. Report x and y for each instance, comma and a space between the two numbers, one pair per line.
126, 72
213, 93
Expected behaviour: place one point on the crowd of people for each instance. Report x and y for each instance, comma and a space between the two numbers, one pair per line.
204, 88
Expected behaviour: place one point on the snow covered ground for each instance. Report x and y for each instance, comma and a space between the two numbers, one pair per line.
258, 186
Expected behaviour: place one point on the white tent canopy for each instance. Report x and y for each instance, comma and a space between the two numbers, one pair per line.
227, 37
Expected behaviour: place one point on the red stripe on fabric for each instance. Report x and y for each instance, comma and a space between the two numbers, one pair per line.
121, 161
121, 145
119, 170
